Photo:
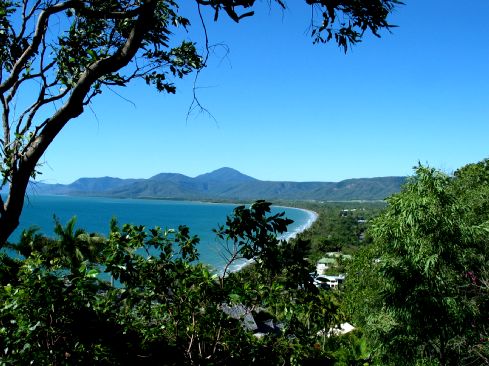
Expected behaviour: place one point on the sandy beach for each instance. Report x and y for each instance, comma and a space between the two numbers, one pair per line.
313, 216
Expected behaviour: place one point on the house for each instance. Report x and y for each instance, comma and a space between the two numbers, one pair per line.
259, 322
338, 330
324, 264
328, 282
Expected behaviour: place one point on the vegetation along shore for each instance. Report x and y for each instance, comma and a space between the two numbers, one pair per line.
392, 271
340, 292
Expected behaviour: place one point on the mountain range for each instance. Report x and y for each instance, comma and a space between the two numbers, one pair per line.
224, 184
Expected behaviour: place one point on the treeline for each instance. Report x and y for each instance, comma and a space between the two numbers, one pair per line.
419, 291
340, 226
140, 297
416, 289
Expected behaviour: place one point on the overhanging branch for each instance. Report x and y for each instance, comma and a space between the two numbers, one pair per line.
74, 105
36, 41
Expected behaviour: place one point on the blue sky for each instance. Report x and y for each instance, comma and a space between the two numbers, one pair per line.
285, 109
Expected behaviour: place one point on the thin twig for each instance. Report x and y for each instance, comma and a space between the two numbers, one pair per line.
195, 101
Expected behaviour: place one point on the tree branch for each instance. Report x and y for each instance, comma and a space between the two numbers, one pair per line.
36, 41
114, 15
34, 108
74, 105
2, 207
5, 121
228, 6
26, 16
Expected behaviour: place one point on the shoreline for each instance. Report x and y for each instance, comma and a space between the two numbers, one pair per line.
304, 223
313, 216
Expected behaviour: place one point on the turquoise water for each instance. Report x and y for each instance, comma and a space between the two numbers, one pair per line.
94, 215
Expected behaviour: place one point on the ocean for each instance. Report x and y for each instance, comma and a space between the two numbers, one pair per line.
94, 215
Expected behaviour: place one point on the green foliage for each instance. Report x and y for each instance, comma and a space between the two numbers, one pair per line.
349, 31
253, 234
416, 291
141, 297
8, 50
350, 349
92, 37
340, 226
343, 21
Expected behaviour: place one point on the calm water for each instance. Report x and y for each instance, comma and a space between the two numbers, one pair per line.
94, 215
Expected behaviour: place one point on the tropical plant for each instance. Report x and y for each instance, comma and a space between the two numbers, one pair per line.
145, 299
417, 291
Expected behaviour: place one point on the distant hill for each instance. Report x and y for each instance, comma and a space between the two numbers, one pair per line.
225, 184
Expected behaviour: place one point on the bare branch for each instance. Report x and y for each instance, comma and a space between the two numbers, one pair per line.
36, 41
16, 85
195, 101
233, 256
73, 107
36, 106
123, 98
44, 90
33, 107
26, 16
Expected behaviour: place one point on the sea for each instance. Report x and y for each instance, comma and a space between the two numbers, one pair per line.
95, 213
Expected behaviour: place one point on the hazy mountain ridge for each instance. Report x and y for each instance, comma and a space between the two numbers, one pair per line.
225, 184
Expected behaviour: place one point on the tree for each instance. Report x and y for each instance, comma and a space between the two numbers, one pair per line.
164, 308
57, 55
418, 291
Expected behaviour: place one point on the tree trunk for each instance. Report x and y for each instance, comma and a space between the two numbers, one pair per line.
8, 223
9, 219
73, 107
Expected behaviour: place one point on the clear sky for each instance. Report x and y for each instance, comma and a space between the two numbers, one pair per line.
286, 109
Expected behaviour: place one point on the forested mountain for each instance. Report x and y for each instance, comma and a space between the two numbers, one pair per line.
225, 184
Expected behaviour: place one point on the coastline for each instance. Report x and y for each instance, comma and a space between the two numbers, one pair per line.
66, 206
313, 216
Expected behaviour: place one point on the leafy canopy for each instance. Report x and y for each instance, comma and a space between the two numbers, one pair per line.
418, 291
141, 297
